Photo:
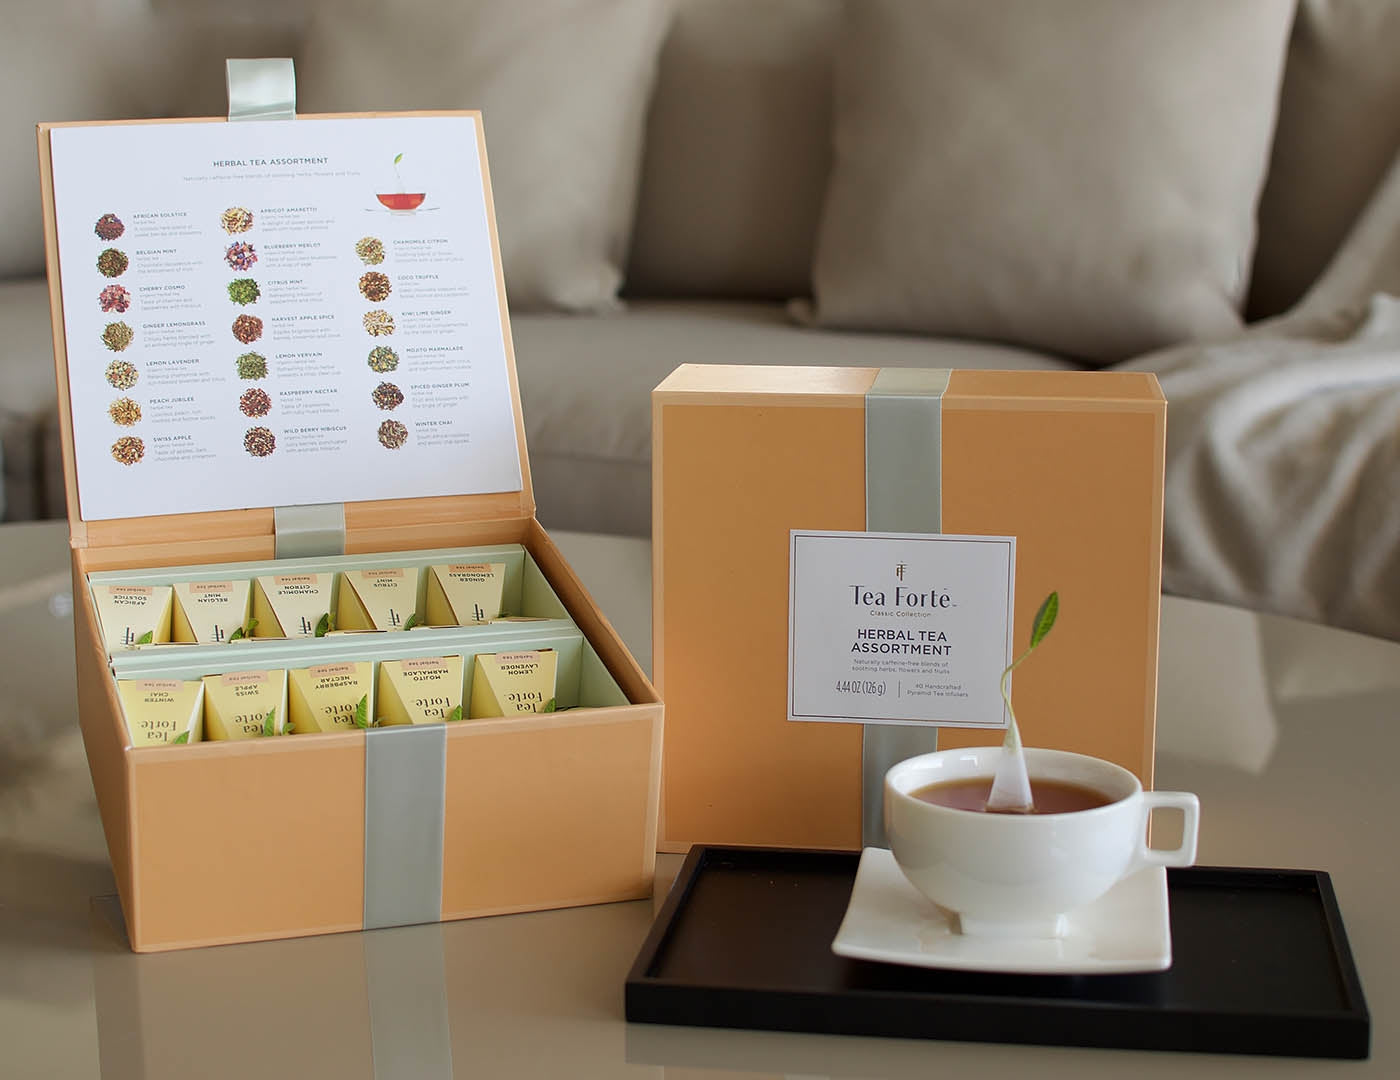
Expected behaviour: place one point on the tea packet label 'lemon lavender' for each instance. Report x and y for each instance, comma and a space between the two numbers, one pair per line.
133, 615
209, 611
245, 704
290, 605
421, 691
377, 599
162, 712
508, 684
464, 594
329, 697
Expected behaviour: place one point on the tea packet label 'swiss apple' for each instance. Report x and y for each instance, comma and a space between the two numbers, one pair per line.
330, 697
245, 704
209, 611
420, 691
377, 599
291, 605
465, 594
133, 615
161, 712
508, 684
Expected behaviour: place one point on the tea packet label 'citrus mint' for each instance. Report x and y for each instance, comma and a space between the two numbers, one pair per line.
377, 599
133, 615
422, 691
291, 605
508, 684
464, 594
331, 697
161, 712
209, 611
245, 704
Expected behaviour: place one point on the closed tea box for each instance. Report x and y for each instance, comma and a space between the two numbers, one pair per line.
1068, 463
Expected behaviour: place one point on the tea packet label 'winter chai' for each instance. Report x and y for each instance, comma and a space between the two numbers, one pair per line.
209, 611
508, 684
290, 605
330, 697
377, 599
133, 615
161, 712
245, 704
465, 594
421, 691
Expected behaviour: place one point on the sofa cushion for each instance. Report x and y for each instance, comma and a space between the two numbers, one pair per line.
563, 87
1079, 177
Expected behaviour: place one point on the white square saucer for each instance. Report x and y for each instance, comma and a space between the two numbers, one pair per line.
888, 920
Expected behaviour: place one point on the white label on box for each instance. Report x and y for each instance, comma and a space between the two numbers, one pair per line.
893, 628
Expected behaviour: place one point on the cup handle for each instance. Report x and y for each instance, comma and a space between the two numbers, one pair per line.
1190, 806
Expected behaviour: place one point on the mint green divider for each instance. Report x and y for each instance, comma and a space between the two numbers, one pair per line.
537, 597
596, 685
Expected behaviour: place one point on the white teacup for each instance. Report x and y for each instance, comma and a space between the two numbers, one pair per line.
1018, 874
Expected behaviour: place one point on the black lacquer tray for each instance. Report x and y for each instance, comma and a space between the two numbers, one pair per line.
1260, 965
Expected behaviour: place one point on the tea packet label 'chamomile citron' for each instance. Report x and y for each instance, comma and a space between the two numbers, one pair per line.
464, 594
330, 697
245, 704
162, 712
210, 611
133, 615
508, 684
290, 605
421, 691
377, 599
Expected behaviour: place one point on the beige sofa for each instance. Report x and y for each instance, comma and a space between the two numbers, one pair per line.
724, 208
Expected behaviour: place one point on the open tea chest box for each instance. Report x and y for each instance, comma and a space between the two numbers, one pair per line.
285, 356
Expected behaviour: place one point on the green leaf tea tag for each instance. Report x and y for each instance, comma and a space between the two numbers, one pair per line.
362, 713
270, 722
146, 638
411, 621
324, 625
548, 706
455, 714
183, 737
1044, 618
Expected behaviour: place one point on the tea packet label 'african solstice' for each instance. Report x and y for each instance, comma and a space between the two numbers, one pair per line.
465, 594
508, 684
291, 605
330, 697
420, 691
209, 611
376, 599
245, 704
161, 712
133, 615
894, 628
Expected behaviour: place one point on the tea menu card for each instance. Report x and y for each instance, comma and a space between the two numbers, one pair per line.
277, 313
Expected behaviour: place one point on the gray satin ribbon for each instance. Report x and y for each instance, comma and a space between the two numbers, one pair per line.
903, 493
405, 787
261, 89
302, 531
410, 1033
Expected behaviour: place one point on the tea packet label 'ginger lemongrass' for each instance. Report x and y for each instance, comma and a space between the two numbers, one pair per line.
133, 615
209, 611
245, 704
464, 594
290, 605
330, 697
422, 691
161, 712
508, 684
377, 599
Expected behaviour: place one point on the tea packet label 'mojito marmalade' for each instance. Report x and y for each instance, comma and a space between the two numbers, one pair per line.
291, 605
376, 599
465, 594
160, 712
133, 615
508, 684
330, 697
209, 611
245, 704
421, 691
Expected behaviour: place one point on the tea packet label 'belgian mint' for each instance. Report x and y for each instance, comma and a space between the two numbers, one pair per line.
508, 684
133, 615
328, 697
209, 611
245, 704
291, 605
422, 691
161, 712
376, 599
465, 594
